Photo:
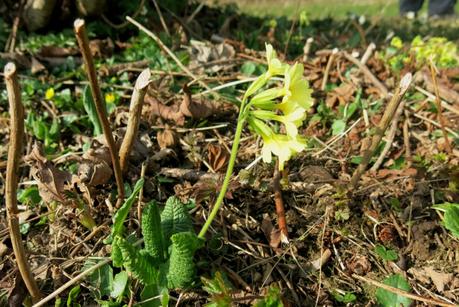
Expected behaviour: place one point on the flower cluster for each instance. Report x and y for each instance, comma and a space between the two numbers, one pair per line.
286, 105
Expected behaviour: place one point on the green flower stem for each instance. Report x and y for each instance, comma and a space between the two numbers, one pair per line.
229, 170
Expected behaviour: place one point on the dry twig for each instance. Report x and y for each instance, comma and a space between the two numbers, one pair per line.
82, 38
402, 293
440, 117
168, 51
135, 111
11, 180
327, 68
381, 128
390, 138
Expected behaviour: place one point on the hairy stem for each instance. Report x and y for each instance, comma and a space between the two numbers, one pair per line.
82, 38
135, 111
229, 170
11, 180
280, 210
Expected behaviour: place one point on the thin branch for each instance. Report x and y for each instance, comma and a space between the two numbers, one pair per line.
390, 138
307, 49
327, 68
402, 293
168, 51
280, 210
161, 18
366, 56
82, 38
11, 181
364, 69
440, 117
381, 128
135, 111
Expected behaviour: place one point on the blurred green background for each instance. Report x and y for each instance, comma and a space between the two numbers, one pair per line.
319, 8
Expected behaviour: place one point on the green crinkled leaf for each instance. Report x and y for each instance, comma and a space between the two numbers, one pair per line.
389, 299
152, 232
181, 272
123, 211
174, 218
116, 255
451, 218
90, 109
140, 264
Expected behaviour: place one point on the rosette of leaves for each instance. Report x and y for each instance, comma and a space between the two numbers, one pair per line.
166, 261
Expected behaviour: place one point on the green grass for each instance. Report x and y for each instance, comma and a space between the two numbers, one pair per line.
317, 9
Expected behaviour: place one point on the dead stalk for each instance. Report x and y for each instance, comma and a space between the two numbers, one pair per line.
307, 48
440, 117
280, 210
364, 69
390, 137
135, 111
160, 15
168, 51
401, 292
82, 38
366, 56
11, 180
327, 68
381, 128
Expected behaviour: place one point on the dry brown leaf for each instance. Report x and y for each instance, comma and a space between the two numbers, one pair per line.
342, 94
167, 138
153, 108
52, 182
95, 167
272, 234
195, 109
218, 156
438, 278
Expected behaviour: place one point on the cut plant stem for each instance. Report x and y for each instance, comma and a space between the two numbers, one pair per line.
307, 48
440, 118
11, 181
135, 111
82, 38
381, 128
327, 68
229, 170
280, 210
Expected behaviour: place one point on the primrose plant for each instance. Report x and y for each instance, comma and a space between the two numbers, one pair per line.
279, 97
274, 106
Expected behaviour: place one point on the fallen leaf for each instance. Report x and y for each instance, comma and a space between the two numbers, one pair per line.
218, 156
153, 108
195, 109
167, 138
438, 278
52, 182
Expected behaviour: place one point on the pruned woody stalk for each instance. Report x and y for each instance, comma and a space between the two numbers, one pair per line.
82, 38
15, 147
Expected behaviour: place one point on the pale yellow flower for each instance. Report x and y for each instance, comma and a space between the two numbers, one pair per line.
282, 146
296, 90
275, 66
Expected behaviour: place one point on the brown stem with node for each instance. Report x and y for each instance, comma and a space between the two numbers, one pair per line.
280, 210
82, 38
11, 181
381, 128
135, 111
